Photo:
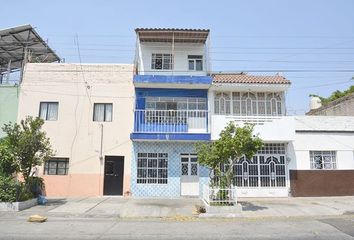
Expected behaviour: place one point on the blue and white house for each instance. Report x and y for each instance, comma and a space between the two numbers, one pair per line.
179, 102
171, 112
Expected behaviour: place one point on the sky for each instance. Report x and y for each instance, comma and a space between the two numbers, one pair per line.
311, 43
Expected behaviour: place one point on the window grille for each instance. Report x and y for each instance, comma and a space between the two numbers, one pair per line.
161, 61
56, 166
152, 168
323, 160
248, 104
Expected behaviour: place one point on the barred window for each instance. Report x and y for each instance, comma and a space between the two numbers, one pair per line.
161, 61
249, 104
323, 160
56, 166
152, 168
273, 148
222, 103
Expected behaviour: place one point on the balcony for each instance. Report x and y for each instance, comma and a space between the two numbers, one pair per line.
171, 125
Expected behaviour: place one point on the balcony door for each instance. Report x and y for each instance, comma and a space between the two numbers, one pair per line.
189, 175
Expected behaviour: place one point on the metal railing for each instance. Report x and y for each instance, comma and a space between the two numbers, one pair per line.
216, 196
171, 121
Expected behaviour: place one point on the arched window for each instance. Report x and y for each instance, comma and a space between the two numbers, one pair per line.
222, 103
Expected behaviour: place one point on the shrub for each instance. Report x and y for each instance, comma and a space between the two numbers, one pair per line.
8, 189
13, 191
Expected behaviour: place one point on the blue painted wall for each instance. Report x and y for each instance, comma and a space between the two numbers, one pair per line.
176, 79
173, 188
142, 93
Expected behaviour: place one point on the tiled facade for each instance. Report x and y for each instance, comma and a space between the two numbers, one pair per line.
173, 187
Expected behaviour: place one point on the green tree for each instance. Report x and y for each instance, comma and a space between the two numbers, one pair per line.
8, 163
220, 155
27, 144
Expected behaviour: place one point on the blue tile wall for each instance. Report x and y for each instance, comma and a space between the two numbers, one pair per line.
173, 188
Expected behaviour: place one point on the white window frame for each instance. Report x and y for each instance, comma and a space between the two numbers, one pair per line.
331, 158
145, 162
166, 61
189, 103
249, 103
46, 115
193, 59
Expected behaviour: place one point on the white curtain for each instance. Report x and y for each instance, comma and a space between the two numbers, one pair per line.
98, 113
43, 111
108, 113
52, 111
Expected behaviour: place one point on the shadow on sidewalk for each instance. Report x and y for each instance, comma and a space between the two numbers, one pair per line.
247, 206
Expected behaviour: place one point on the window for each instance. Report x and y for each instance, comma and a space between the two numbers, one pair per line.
195, 62
152, 168
175, 103
248, 104
323, 160
48, 111
56, 166
222, 103
161, 61
189, 164
102, 112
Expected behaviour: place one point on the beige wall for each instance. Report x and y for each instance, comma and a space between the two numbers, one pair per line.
74, 134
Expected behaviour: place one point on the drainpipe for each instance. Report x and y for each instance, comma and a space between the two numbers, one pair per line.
101, 161
101, 145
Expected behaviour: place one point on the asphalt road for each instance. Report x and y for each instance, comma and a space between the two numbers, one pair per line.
16, 227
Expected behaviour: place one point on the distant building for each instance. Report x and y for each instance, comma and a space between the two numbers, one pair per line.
8, 105
26, 46
343, 106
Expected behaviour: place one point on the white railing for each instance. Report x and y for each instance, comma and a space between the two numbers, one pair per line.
215, 196
171, 121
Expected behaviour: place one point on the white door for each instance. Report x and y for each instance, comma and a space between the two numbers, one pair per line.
189, 175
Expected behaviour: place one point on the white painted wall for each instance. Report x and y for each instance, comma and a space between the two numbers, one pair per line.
75, 135
305, 142
181, 52
280, 129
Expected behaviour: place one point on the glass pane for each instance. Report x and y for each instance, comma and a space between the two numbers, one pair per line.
184, 169
43, 110
108, 113
194, 169
61, 171
191, 64
199, 65
98, 112
52, 111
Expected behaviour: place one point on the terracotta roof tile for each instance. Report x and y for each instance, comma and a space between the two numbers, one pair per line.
252, 79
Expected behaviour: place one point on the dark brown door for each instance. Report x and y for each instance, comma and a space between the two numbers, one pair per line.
113, 175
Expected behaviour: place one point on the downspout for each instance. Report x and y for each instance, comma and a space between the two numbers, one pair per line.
101, 161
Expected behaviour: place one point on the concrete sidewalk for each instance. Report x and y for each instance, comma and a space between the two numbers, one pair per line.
296, 207
114, 207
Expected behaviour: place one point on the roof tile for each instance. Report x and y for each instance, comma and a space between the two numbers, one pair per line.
252, 79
